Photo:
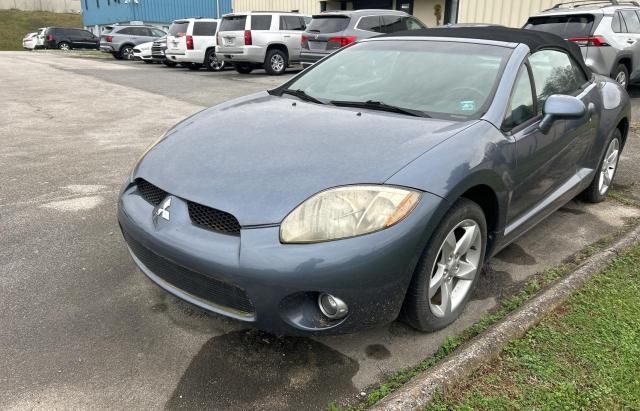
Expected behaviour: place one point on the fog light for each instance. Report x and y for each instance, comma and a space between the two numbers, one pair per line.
332, 307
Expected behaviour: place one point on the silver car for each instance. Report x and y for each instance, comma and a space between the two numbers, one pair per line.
269, 40
608, 33
119, 41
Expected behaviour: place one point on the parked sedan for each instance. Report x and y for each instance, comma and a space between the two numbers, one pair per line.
423, 154
143, 52
30, 41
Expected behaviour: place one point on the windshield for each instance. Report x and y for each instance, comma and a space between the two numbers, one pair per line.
178, 28
328, 24
442, 79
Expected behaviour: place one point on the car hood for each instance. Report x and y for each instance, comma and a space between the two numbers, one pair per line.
260, 156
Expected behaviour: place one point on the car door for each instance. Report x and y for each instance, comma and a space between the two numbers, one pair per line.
546, 163
89, 41
75, 38
292, 28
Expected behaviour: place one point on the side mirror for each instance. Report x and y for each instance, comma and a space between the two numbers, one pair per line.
558, 107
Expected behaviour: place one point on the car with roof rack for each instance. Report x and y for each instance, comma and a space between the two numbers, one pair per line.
424, 153
261, 39
329, 31
119, 40
607, 31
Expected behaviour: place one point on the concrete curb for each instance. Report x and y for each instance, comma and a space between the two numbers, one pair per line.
418, 392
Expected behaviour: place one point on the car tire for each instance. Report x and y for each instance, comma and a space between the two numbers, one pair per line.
126, 52
599, 187
116, 56
243, 68
194, 66
63, 45
212, 62
621, 75
425, 307
169, 63
148, 61
276, 62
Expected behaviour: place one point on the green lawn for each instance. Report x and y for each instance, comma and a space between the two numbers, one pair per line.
586, 356
14, 24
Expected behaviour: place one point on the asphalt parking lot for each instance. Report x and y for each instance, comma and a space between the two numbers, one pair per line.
82, 327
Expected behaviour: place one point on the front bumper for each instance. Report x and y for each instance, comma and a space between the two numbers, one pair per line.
276, 285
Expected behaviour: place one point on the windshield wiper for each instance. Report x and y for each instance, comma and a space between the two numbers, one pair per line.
379, 105
301, 95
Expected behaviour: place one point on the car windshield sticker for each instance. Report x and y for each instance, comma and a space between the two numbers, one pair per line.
468, 105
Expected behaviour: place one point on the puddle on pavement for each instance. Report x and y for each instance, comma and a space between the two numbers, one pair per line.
514, 254
377, 352
249, 369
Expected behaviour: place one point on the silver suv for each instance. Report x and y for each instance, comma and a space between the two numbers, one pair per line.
269, 40
119, 41
608, 33
330, 31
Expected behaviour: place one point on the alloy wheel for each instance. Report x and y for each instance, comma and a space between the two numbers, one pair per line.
215, 63
609, 165
127, 53
621, 78
64, 46
455, 268
277, 63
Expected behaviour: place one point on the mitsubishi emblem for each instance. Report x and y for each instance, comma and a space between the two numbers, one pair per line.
163, 210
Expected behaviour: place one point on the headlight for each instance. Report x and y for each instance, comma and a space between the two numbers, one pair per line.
347, 212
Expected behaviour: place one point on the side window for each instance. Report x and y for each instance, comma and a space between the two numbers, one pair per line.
617, 25
126, 31
291, 23
260, 22
143, 31
413, 24
554, 72
371, 23
158, 33
204, 28
631, 20
521, 106
391, 24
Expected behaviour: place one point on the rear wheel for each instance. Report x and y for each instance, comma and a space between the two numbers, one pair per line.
116, 56
169, 63
126, 52
448, 269
597, 191
212, 61
243, 68
276, 62
63, 45
621, 75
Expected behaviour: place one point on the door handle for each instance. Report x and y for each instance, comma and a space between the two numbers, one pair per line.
591, 109
286, 36
631, 41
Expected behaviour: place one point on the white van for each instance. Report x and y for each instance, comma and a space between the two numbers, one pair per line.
192, 43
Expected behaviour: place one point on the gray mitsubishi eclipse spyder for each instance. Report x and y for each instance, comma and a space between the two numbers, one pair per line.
375, 184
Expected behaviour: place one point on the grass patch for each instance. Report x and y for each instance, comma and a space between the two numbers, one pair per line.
14, 24
583, 357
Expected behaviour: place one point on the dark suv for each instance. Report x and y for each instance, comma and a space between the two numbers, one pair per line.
65, 38
332, 30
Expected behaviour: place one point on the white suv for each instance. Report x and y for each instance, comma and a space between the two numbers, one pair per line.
192, 43
269, 40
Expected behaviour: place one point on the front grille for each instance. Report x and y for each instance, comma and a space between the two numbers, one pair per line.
150, 192
203, 216
202, 286
157, 50
213, 219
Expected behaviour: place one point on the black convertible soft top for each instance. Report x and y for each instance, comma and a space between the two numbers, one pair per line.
536, 40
